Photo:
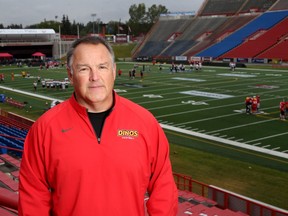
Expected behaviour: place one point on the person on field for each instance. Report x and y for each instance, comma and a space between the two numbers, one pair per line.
96, 153
232, 66
282, 107
35, 85
248, 104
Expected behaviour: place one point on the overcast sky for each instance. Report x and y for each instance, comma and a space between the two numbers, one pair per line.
28, 12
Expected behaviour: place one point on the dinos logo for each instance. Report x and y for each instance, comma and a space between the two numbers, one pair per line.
128, 134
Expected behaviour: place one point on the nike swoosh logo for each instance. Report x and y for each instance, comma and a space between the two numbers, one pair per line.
66, 130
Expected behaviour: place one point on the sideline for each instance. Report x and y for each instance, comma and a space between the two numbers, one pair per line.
226, 141
30, 94
181, 130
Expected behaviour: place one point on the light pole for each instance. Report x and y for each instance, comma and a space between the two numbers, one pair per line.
93, 17
60, 43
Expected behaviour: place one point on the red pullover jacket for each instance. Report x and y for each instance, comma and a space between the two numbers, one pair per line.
66, 172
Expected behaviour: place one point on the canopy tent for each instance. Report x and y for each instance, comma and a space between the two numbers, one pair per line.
6, 55
38, 54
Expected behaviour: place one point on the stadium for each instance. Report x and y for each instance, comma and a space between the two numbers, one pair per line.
225, 162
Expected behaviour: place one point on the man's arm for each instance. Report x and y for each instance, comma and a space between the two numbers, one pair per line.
163, 193
34, 193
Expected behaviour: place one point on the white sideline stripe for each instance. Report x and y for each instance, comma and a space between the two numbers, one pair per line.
30, 94
225, 141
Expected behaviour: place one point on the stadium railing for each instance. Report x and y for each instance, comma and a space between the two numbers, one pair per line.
226, 199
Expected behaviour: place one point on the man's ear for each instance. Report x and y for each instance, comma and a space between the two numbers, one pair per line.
114, 70
70, 75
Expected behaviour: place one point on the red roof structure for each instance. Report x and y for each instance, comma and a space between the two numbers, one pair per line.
38, 54
6, 55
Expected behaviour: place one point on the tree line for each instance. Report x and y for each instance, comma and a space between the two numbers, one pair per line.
140, 22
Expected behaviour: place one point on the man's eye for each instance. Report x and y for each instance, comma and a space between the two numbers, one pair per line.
103, 67
84, 69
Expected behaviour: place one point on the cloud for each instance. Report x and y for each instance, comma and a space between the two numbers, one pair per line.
30, 12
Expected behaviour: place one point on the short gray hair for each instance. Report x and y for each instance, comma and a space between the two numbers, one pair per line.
88, 40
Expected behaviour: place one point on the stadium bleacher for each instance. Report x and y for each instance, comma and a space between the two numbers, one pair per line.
264, 21
259, 42
278, 51
216, 7
198, 28
232, 23
219, 27
280, 5
257, 5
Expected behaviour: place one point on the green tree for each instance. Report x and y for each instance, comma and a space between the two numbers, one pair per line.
66, 26
154, 12
141, 20
137, 13
14, 26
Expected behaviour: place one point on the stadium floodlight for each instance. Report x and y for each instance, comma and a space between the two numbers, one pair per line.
93, 18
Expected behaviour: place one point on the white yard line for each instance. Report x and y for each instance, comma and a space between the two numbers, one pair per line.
243, 125
267, 137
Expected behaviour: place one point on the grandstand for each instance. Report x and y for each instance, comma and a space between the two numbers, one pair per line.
23, 43
219, 30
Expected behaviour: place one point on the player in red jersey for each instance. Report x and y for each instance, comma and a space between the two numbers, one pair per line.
282, 107
248, 103
254, 105
258, 102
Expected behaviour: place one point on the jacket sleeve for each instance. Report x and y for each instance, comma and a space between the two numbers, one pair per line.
163, 194
34, 192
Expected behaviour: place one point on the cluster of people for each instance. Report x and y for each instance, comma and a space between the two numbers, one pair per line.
196, 65
49, 64
177, 68
50, 83
252, 104
132, 73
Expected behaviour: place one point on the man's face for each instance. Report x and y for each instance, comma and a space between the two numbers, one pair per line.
93, 77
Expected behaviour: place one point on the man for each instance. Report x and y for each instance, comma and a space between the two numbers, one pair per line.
87, 156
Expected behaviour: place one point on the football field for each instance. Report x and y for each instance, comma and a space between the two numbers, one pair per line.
208, 103
200, 110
